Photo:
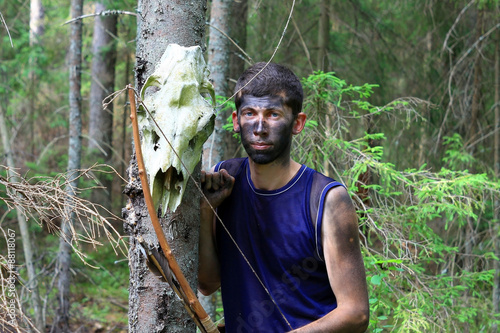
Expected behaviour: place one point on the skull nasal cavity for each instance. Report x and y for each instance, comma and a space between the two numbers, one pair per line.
156, 138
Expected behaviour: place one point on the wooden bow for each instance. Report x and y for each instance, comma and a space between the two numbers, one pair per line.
170, 270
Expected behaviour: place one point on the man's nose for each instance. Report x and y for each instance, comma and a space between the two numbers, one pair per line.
260, 127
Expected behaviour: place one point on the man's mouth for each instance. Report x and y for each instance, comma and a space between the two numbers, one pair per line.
260, 145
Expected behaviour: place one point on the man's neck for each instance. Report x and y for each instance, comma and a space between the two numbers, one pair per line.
274, 175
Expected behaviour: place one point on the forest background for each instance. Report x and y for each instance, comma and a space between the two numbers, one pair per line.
403, 102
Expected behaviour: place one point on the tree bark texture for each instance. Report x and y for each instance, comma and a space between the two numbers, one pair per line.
218, 63
103, 79
153, 306
74, 161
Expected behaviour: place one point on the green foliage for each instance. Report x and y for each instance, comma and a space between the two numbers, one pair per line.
455, 156
420, 278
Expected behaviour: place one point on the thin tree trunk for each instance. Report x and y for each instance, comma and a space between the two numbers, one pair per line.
103, 80
323, 65
74, 160
475, 107
37, 26
37, 29
153, 306
238, 30
422, 151
237, 63
32, 284
323, 36
218, 62
470, 233
496, 166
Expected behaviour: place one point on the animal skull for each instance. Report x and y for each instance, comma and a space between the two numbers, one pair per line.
185, 117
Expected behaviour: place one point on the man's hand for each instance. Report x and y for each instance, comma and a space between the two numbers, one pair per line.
217, 186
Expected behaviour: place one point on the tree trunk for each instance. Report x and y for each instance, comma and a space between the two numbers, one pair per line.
218, 62
103, 79
37, 27
36, 31
496, 167
475, 107
153, 306
74, 160
323, 36
237, 63
473, 120
238, 30
32, 284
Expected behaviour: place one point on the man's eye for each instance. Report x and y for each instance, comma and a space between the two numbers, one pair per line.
275, 114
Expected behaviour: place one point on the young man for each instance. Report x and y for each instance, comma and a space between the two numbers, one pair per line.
286, 254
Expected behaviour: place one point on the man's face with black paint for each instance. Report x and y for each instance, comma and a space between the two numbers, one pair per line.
266, 128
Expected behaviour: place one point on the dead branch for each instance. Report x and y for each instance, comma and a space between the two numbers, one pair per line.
6, 28
45, 200
103, 13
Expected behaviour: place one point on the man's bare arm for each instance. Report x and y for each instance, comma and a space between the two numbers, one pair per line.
345, 268
217, 186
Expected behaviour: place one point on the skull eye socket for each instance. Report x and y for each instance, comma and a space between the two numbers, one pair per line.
156, 140
192, 143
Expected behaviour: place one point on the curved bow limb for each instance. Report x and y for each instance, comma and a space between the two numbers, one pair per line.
178, 281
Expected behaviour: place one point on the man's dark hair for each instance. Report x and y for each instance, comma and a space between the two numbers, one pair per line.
274, 80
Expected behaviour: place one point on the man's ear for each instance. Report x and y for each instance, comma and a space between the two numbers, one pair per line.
299, 123
236, 126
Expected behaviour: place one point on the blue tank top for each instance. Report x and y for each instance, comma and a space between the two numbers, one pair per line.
276, 233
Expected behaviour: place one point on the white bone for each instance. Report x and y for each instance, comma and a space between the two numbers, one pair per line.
185, 117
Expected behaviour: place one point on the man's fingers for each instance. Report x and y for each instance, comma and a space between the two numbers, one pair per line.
208, 180
214, 181
216, 184
226, 178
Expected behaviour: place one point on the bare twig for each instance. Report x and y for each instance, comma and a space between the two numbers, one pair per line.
44, 199
103, 13
452, 29
6, 28
306, 51
248, 59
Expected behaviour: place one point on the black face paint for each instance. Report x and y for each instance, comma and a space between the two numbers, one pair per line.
266, 125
